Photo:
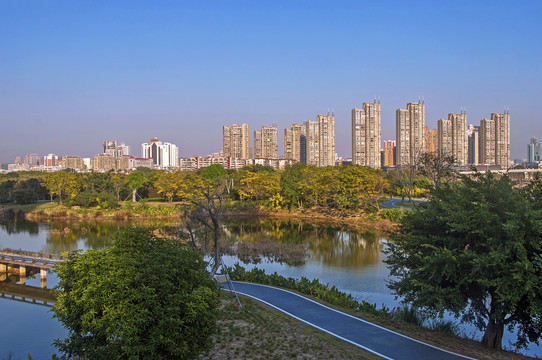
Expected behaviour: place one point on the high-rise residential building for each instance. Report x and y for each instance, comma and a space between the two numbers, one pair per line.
444, 137
487, 142
163, 155
32, 160
459, 137
533, 151
473, 139
410, 125
388, 154
266, 142
111, 147
125, 149
236, 141
326, 140
292, 142
51, 160
18, 160
312, 145
257, 144
366, 135
402, 128
431, 140
502, 138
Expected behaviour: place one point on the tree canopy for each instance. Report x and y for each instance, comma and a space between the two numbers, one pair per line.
475, 250
144, 297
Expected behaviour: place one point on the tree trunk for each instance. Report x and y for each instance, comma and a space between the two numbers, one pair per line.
134, 191
216, 253
493, 336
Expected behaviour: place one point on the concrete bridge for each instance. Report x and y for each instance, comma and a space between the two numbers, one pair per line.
20, 260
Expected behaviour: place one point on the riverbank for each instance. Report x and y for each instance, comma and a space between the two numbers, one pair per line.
439, 333
174, 210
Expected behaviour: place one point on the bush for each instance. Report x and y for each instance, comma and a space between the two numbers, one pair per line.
160, 210
90, 198
445, 326
392, 214
408, 314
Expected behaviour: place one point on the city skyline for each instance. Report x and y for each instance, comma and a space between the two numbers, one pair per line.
74, 74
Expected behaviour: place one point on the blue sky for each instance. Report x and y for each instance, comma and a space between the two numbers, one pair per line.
75, 73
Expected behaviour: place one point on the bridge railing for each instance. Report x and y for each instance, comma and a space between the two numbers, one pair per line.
33, 254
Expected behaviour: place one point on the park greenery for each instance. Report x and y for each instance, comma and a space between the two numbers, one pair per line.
475, 251
145, 297
335, 190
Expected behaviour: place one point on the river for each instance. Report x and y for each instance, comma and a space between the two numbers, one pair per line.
350, 260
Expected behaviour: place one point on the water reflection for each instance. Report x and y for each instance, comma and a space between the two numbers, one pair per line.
322, 242
9, 289
328, 245
18, 225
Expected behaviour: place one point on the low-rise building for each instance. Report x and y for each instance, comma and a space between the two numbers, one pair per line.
72, 162
103, 162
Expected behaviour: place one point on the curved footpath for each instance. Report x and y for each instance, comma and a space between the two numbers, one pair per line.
373, 338
390, 204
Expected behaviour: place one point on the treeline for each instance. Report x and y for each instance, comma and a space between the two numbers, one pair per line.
341, 189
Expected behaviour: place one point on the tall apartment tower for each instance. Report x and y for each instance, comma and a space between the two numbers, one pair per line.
459, 137
487, 142
163, 155
533, 151
266, 142
473, 139
402, 150
444, 137
326, 140
312, 143
410, 125
366, 135
292, 142
502, 138
431, 140
31, 159
236, 141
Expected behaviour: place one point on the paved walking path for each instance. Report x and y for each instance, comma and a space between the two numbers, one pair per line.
373, 338
390, 204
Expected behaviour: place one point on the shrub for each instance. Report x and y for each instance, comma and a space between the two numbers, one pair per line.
445, 326
392, 214
409, 314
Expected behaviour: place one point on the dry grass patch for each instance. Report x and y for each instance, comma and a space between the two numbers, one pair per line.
260, 332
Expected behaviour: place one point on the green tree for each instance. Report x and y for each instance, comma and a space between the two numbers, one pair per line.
135, 181
62, 183
290, 180
29, 191
169, 184
145, 297
212, 172
474, 251
6, 190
